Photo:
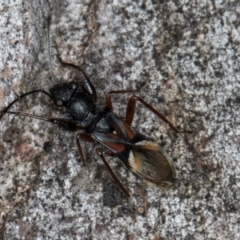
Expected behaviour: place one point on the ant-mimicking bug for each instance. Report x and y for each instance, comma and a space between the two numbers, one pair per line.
98, 123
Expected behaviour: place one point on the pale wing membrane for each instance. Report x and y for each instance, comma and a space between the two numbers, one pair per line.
156, 167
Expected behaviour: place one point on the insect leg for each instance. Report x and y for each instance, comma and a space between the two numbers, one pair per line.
87, 83
131, 110
108, 99
85, 137
5, 110
101, 154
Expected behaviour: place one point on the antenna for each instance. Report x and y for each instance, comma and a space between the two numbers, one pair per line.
49, 51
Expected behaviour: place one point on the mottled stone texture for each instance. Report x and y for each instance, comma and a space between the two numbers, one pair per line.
188, 54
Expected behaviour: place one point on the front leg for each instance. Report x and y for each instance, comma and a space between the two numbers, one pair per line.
88, 86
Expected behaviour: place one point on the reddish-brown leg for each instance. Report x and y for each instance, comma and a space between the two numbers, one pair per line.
132, 105
87, 138
131, 111
109, 153
108, 99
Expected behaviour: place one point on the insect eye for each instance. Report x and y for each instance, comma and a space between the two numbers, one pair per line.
74, 85
59, 102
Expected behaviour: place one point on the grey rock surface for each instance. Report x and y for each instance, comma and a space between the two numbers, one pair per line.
188, 54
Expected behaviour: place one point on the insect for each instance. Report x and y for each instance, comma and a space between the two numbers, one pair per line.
98, 123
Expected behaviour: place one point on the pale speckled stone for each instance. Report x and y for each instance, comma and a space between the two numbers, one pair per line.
188, 53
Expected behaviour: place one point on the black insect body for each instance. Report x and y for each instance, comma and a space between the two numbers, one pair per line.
97, 123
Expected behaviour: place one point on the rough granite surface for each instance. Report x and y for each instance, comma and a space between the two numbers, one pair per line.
188, 54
